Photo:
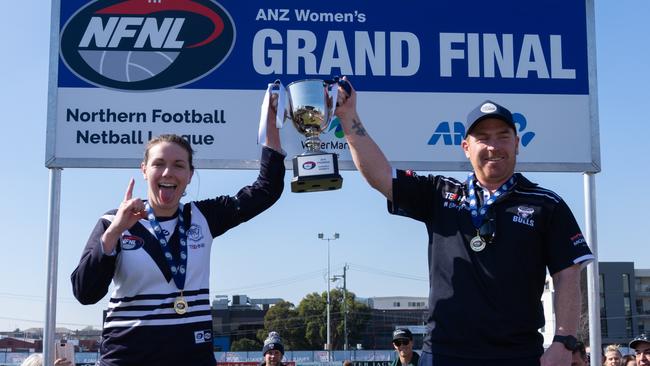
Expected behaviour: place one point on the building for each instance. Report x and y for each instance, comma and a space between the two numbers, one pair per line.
10, 344
642, 303
624, 303
388, 313
240, 318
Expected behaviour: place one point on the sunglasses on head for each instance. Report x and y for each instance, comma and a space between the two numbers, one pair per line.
488, 228
401, 342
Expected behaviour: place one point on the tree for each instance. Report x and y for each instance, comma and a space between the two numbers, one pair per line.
305, 327
357, 319
284, 319
313, 310
245, 344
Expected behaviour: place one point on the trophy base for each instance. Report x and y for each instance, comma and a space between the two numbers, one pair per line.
315, 172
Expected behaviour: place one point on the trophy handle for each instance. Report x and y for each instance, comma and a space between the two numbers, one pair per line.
332, 87
343, 84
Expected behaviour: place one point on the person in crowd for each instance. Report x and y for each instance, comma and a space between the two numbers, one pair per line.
641, 347
579, 355
273, 350
403, 345
628, 360
613, 355
36, 359
491, 239
156, 251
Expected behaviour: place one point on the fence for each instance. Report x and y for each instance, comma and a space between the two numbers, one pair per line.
298, 358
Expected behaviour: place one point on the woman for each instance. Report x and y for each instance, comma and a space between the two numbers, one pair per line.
157, 252
628, 360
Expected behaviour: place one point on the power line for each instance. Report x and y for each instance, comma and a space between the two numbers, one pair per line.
274, 283
382, 272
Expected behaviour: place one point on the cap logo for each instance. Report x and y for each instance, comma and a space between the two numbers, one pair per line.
488, 108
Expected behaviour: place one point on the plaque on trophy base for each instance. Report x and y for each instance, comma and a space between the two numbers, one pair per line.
315, 171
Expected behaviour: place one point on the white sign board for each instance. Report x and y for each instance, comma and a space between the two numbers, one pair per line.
125, 70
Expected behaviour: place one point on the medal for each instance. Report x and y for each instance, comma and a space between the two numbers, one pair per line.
180, 305
485, 227
477, 243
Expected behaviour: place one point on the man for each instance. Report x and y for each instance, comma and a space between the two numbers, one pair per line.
641, 346
403, 344
579, 355
491, 239
273, 350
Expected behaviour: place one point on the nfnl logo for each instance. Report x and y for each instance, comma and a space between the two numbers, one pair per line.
131, 242
146, 44
444, 132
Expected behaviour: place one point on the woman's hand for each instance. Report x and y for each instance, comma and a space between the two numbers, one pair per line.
130, 211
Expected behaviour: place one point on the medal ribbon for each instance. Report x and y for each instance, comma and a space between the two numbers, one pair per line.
177, 267
478, 214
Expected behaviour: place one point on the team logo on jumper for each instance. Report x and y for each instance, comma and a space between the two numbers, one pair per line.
524, 216
202, 336
146, 44
195, 233
131, 242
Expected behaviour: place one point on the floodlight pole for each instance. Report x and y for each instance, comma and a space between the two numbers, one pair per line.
328, 346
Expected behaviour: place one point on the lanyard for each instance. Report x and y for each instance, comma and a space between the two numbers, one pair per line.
478, 214
177, 267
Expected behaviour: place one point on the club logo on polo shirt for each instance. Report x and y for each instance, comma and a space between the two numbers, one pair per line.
524, 216
194, 233
131, 242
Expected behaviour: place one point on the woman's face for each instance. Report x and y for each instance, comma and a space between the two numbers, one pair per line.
167, 172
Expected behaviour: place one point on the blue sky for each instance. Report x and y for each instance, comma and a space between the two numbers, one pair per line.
278, 254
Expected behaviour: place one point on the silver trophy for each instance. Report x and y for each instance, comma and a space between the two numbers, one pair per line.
311, 108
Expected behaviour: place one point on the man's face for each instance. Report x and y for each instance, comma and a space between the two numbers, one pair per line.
491, 148
578, 360
642, 353
404, 347
272, 357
